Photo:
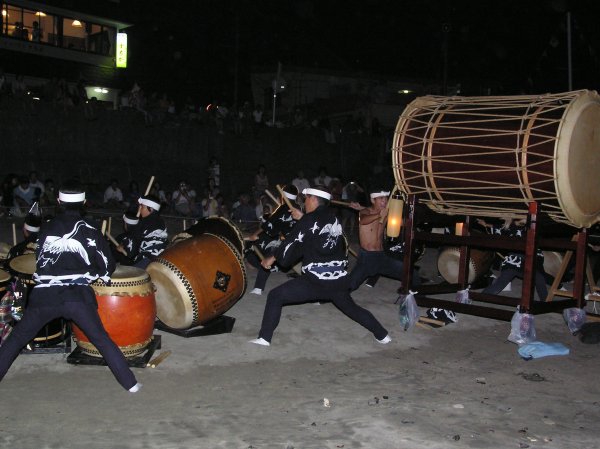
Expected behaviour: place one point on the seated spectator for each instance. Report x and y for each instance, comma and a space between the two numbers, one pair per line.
113, 197
323, 179
210, 206
184, 200
261, 181
244, 213
159, 193
49, 197
24, 196
36, 183
222, 209
132, 196
300, 181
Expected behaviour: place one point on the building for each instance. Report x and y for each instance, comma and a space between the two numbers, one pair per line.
64, 39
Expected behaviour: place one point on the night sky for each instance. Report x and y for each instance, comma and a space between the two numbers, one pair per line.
508, 47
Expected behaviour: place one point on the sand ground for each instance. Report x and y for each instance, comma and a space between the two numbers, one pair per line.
460, 386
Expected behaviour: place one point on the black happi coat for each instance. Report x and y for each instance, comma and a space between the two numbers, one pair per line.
317, 239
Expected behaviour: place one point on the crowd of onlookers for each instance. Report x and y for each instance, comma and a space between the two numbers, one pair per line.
162, 109
186, 200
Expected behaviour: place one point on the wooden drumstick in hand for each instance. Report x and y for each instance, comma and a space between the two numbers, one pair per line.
285, 198
139, 211
270, 195
117, 245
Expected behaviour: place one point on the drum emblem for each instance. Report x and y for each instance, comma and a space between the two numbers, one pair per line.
222, 281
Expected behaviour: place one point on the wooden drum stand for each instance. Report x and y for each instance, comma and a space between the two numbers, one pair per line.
492, 306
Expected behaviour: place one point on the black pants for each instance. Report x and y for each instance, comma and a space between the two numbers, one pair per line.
302, 290
508, 274
370, 263
76, 303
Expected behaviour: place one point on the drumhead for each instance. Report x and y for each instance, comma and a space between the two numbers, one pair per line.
197, 280
4, 276
449, 260
23, 265
577, 161
552, 262
217, 226
124, 281
4, 250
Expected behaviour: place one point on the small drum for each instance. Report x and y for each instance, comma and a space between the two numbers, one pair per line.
492, 156
197, 280
449, 260
552, 262
4, 281
23, 268
127, 309
4, 251
217, 226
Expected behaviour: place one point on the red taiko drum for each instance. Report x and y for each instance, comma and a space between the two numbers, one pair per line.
127, 309
492, 156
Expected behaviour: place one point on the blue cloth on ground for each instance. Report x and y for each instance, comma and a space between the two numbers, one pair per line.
538, 349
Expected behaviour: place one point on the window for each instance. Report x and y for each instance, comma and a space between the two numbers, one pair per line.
65, 32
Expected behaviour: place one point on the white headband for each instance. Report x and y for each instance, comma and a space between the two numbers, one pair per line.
130, 221
32, 228
378, 194
71, 197
149, 203
290, 195
317, 192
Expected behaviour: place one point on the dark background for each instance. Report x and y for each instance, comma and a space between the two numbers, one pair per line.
497, 47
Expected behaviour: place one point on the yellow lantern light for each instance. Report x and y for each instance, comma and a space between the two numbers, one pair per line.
394, 221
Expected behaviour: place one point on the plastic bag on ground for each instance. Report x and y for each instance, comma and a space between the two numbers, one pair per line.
575, 318
538, 349
522, 328
409, 311
462, 296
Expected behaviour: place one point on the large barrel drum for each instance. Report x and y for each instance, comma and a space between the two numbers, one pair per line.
127, 309
492, 156
197, 280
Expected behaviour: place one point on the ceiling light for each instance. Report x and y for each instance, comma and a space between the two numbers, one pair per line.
41, 14
76, 23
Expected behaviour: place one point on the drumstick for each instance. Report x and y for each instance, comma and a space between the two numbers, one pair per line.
257, 251
158, 359
109, 224
14, 233
270, 195
103, 229
341, 203
112, 239
139, 211
149, 185
184, 224
114, 242
351, 251
285, 198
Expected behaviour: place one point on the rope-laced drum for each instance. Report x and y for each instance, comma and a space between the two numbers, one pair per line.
492, 156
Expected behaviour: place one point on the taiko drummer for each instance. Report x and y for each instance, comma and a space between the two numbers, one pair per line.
71, 254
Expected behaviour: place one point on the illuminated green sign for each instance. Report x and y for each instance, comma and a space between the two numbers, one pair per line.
121, 50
